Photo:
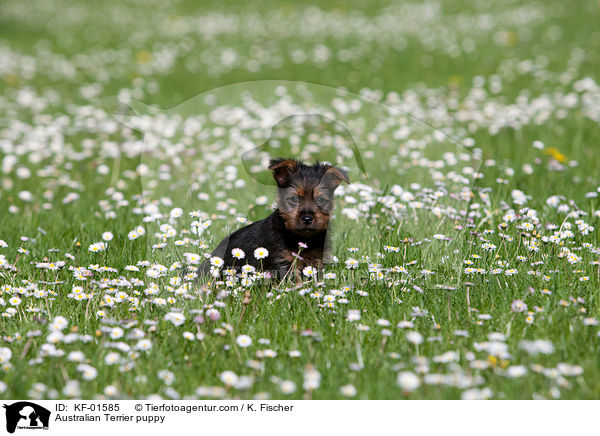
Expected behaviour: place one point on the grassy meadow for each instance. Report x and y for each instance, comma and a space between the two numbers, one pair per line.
465, 252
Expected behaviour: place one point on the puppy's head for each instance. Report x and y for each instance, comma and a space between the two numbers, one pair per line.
305, 194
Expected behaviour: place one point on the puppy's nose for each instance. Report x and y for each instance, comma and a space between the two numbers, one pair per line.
307, 219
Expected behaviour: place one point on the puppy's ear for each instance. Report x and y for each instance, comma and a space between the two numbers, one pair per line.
333, 177
282, 169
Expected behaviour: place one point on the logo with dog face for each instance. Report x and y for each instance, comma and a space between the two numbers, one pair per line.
26, 415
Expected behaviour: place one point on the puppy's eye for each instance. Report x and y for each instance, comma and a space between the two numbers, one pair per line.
294, 199
321, 201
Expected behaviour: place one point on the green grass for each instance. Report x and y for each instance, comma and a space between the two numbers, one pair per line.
119, 45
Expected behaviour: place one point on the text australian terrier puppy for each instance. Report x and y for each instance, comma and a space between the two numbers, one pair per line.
300, 222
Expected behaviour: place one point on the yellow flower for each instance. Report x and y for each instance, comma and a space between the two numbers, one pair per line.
143, 56
11, 79
556, 154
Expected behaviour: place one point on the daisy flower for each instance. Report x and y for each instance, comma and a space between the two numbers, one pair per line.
348, 390
59, 323
309, 271
112, 358
353, 315
116, 333
5, 354
143, 345
217, 262
176, 318
248, 269
97, 247
312, 378
414, 337
518, 306
261, 253
287, 387
408, 381
351, 263
88, 372
229, 378
244, 341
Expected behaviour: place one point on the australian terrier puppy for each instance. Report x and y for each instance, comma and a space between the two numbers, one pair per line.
298, 225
